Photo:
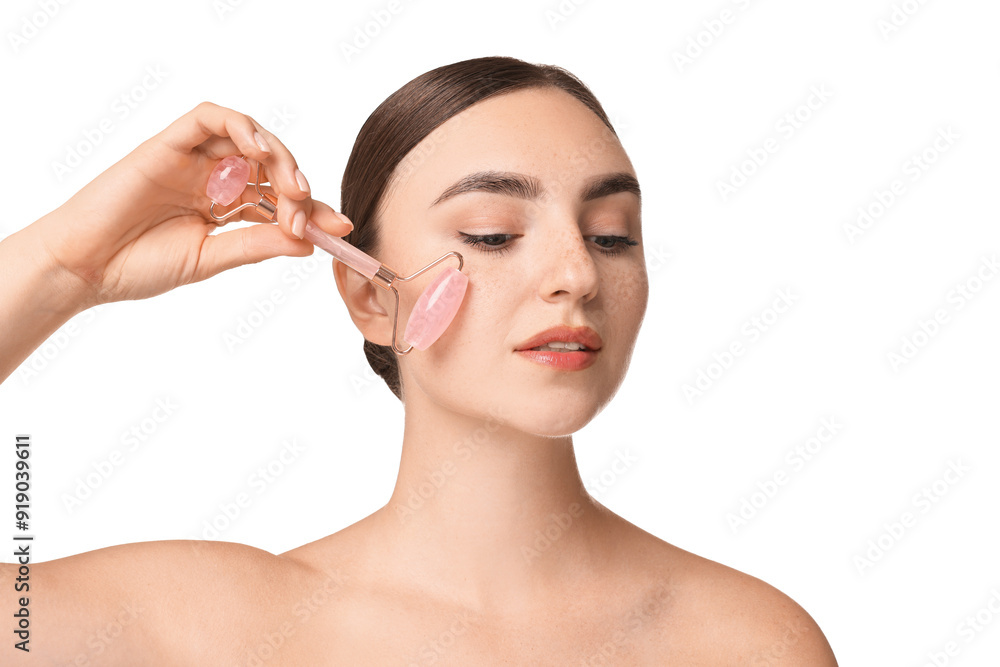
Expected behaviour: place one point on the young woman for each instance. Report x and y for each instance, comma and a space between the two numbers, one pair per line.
509, 561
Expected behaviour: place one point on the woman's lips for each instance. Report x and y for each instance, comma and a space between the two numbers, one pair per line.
576, 360
585, 336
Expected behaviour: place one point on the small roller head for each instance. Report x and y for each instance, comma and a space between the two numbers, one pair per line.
228, 180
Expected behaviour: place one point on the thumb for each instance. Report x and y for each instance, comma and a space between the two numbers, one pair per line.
248, 245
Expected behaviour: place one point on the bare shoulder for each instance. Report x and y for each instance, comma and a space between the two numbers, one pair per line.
733, 618
152, 599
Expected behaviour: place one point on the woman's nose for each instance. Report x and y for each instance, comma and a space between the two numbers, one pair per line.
566, 266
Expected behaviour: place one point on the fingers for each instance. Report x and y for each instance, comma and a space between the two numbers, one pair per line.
248, 245
209, 120
282, 171
292, 215
315, 211
217, 148
217, 132
324, 217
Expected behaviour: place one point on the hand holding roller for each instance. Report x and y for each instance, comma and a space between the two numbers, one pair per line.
433, 311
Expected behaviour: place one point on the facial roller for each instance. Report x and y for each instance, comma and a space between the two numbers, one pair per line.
433, 311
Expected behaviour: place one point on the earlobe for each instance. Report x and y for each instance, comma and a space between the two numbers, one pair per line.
363, 301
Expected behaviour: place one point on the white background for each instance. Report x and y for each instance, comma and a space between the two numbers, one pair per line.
714, 264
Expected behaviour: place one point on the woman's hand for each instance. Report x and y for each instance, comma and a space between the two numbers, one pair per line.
143, 227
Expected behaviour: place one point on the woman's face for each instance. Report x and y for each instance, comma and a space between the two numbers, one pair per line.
547, 260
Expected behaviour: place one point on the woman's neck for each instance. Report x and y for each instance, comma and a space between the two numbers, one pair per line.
489, 514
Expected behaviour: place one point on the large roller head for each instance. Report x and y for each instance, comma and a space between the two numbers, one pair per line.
436, 308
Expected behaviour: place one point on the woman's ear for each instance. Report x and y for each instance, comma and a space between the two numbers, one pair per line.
368, 305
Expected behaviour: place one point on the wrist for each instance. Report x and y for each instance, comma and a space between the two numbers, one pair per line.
41, 286
36, 299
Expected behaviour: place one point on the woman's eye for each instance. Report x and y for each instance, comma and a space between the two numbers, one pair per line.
497, 243
490, 243
617, 245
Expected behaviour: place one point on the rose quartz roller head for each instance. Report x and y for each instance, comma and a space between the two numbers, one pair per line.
433, 311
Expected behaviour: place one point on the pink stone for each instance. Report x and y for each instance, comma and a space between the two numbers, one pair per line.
436, 308
228, 180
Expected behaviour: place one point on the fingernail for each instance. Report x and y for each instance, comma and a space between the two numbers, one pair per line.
261, 143
344, 219
299, 224
301, 180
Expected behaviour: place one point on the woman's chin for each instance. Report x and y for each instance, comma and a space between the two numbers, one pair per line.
551, 418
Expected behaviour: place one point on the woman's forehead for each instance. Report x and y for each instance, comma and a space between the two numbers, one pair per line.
545, 134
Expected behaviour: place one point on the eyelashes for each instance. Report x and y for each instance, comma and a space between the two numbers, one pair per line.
486, 243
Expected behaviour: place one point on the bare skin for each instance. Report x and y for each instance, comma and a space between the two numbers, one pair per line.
509, 560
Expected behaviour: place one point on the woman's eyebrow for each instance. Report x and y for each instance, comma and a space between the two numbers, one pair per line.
512, 184
610, 184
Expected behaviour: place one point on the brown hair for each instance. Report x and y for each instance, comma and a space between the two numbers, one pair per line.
403, 120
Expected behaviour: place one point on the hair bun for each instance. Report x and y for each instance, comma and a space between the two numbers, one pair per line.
383, 361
